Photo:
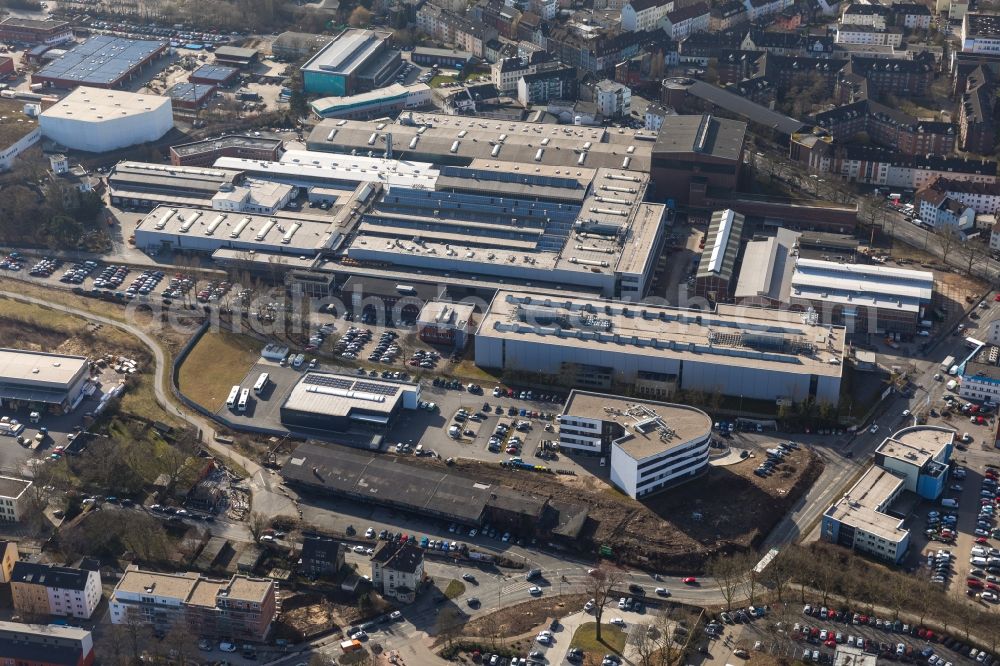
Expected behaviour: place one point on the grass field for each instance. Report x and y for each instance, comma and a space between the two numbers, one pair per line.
612, 638
218, 362
456, 588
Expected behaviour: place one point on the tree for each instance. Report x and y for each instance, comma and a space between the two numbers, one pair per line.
750, 582
972, 251
256, 523
600, 585
448, 625
779, 572
655, 646
728, 572
360, 18
947, 240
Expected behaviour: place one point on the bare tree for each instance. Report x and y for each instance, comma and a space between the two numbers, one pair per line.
656, 645
491, 629
750, 581
600, 586
778, 574
728, 572
947, 239
257, 522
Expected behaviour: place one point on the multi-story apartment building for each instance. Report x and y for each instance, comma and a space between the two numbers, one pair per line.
505, 73
984, 198
869, 36
451, 28
43, 589
888, 127
976, 107
761, 9
685, 21
644, 14
545, 85
936, 209
912, 15
398, 570
239, 609
614, 100
8, 556
728, 15
872, 15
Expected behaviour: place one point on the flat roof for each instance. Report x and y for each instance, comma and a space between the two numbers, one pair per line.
170, 585
191, 93
13, 488
351, 169
899, 289
230, 228
101, 60
346, 53
446, 313
88, 104
864, 504
460, 139
39, 368
917, 445
227, 141
57, 631
739, 336
766, 270
651, 427
15, 124
204, 592
217, 73
247, 589
33, 24
338, 395
702, 134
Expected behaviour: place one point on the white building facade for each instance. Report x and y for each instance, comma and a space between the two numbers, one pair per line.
97, 121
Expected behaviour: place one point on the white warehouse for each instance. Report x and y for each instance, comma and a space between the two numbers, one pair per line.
656, 351
98, 120
652, 445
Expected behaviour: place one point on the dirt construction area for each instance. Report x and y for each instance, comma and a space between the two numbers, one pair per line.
523, 617
728, 508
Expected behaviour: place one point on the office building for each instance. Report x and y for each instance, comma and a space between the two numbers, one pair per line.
651, 445
205, 152
861, 521
981, 374
919, 455
445, 323
354, 61
32, 31
44, 589
13, 496
98, 121
980, 33
387, 101
29, 378
656, 351
238, 610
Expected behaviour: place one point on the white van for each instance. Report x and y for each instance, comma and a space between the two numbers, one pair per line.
978, 561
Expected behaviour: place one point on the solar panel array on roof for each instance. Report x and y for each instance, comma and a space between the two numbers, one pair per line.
377, 389
100, 61
328, 380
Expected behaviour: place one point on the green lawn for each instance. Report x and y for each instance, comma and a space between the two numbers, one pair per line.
219, 361
456, 588
612, 638
440, 79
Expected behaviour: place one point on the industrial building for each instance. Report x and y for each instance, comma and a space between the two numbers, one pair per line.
715, 277
920, 455
204, 153
981, 373
145, 185
32, 31
96, 120
652, 445
354, 61
656, 351
326, 401
697, 157
102, 61
199, 230
913, 459
862, 297
38, 644
190, 96
387, 101
445, 140
235, 56
391, 482
766, 271
214, 75
29, 378
446, 323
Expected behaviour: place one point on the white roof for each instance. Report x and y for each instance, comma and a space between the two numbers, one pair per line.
337, 167
38, 368
862, 285
96, 104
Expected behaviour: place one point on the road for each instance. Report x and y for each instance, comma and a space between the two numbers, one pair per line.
263, 487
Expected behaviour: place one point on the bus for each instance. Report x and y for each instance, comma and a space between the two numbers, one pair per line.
261, 383
244, 397
234, 393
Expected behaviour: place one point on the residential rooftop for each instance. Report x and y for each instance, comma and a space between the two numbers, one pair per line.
641, 420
